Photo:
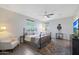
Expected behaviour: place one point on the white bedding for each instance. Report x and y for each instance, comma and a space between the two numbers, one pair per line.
6, 37
29, 38
7, 41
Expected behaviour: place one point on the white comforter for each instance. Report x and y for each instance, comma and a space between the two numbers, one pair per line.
35, 40
7, 41
6, 37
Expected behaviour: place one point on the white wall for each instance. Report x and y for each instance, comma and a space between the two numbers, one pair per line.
76, 14
67, 27
14, 22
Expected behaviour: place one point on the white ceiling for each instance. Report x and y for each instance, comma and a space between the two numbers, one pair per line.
37, 10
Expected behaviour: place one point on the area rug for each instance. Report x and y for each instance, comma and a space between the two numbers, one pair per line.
48, 50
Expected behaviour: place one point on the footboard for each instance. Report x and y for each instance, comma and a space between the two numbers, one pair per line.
44, 40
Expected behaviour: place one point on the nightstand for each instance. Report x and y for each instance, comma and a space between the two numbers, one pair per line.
59, 35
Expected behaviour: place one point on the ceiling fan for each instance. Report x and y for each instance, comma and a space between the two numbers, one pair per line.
48, 15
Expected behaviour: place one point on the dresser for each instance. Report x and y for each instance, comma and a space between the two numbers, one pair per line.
75, 46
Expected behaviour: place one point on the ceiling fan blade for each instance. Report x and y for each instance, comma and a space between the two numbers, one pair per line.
48, 15
51, 14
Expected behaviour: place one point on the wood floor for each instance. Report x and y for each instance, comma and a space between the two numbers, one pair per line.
63, 47
59, 47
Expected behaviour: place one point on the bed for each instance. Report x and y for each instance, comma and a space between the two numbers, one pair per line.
8, 41
39, 40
